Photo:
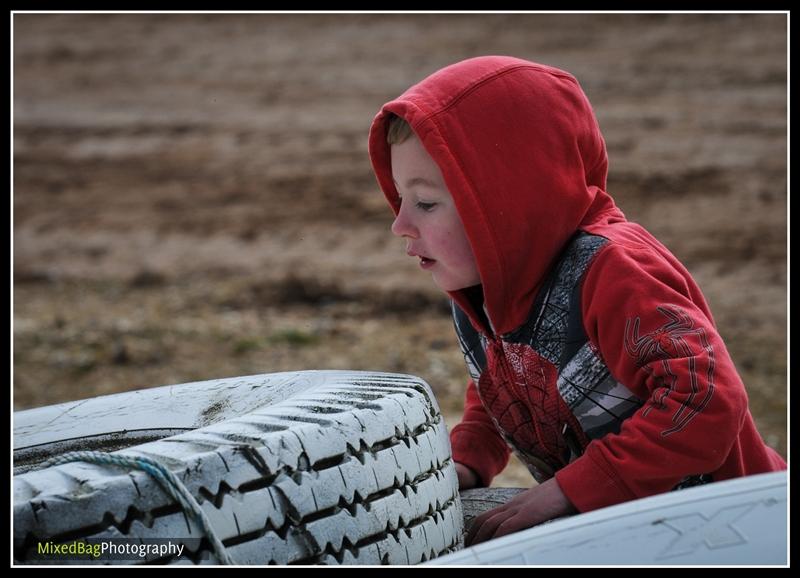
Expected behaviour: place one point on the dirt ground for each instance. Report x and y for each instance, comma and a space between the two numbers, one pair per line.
193, 197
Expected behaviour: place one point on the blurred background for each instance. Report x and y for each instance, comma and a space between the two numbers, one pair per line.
193, 197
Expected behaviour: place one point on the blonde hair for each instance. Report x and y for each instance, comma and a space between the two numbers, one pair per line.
399, 130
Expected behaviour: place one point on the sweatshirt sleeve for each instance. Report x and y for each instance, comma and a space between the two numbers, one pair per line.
475, 441
649, 323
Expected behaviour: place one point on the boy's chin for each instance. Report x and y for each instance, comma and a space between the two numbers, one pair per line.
451, 285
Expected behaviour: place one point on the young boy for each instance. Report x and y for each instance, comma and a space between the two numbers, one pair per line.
591, 350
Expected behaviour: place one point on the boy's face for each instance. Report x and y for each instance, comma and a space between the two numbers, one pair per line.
428, 218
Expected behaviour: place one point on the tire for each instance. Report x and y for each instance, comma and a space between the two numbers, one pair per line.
740, 521
294, 468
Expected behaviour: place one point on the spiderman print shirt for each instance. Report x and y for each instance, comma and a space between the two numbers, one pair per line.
591, 350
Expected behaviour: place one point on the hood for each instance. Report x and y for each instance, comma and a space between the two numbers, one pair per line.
522, 155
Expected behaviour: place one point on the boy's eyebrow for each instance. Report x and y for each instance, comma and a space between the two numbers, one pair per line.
417, 181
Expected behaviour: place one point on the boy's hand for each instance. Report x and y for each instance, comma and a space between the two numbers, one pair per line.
539, 504
467, 478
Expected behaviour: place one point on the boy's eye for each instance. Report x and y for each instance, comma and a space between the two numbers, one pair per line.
427, 207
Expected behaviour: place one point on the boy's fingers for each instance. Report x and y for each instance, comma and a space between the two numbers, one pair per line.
484, 530
478, 522
510, 526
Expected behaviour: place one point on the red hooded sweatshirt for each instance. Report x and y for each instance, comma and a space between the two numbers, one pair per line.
599, 361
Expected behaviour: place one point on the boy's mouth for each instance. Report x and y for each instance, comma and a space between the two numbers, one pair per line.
426, 263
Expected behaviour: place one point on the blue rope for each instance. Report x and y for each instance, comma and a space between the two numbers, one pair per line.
166, 479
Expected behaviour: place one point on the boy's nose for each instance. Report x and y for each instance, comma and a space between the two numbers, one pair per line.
402, 227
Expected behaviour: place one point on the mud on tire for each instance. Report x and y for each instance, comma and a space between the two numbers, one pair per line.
333, 468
